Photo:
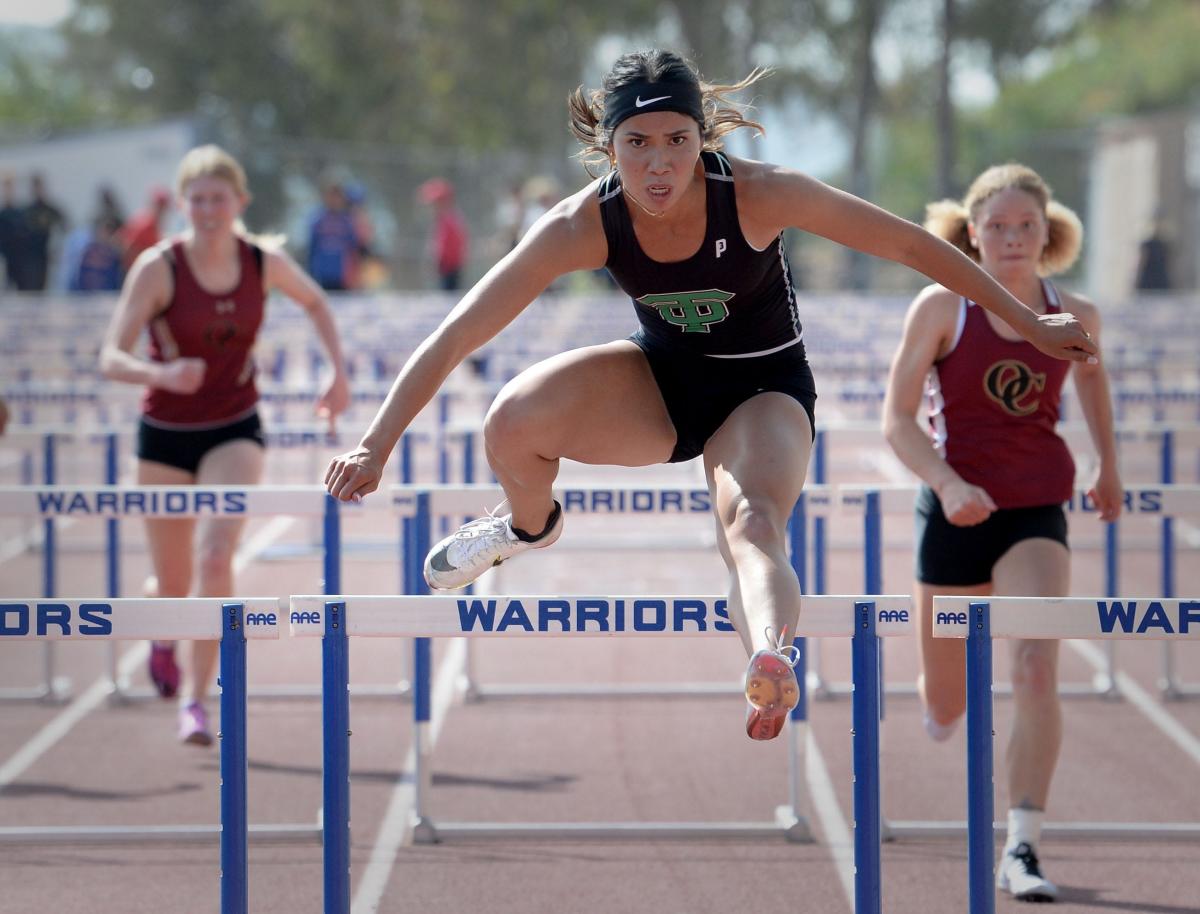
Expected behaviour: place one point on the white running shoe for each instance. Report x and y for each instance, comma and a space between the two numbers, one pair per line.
1020, 874
479, 545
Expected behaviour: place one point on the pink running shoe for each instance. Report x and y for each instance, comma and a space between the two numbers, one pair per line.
164, 672
193, 725
771, 688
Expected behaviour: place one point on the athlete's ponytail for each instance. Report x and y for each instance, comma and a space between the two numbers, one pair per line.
948, 218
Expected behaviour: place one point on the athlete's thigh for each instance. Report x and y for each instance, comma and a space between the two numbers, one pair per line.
1036, 567
599, 404
169, 540
760, 453
236, 462
942, 659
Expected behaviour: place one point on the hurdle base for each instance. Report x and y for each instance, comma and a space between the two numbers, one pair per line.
55, 693
1113, 831
1173, 690
1101, 687
123, 693
140, 834
472, 691
788, 826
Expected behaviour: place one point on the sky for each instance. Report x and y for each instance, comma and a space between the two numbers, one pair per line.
33, 12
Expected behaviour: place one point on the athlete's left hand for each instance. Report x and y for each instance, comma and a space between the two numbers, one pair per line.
1107, 493
1063, 337
334, 400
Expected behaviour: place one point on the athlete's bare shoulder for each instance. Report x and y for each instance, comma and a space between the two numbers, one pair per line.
1077, 304
768, 196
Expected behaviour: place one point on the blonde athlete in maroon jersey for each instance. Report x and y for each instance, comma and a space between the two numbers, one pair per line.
990, 518
201, 297
741, 403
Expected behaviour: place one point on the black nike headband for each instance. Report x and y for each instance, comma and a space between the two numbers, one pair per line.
643, 97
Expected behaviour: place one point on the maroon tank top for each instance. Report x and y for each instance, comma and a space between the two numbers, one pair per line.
219, 328
993, 405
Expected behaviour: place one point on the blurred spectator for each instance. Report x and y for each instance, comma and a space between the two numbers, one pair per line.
334, 244
3, 415
144, 228
365, 269
510, 216
541, 192
40, 220
1154, 261
78, 240
10, 230
99, 265
448, 241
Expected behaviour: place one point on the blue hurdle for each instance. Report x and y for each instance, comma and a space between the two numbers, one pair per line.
1157, 501
1034, 617
113, 502
336, 619
233, 621
1152, 501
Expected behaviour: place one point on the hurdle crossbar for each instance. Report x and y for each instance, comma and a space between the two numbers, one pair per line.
1035, 617
111, 502
1159, 501
336, 619
694, 501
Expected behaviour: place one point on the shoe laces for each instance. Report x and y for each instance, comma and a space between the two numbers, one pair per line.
1027, 857
477, 535
780, 645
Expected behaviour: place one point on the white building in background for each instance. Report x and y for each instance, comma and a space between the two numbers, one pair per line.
130, 160
1144, 170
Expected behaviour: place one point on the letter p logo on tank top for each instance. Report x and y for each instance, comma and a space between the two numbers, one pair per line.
692, 312
1011, 383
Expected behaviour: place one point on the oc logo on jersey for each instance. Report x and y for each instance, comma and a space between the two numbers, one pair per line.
1014, 386
692, 312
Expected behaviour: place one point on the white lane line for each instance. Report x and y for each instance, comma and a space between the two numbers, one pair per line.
397, 822
837, 830
61, 724
1142, 700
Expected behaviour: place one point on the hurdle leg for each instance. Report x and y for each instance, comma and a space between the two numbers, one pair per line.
981, 838
335, 704
865, 714
234, 818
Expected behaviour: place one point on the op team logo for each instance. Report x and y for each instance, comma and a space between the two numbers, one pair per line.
690, 311
1011, 383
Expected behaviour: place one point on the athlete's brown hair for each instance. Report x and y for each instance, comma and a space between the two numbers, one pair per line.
948, 218
722, 115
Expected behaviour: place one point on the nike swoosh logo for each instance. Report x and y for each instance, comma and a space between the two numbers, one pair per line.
638, 103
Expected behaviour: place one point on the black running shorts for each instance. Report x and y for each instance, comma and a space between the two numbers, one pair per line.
701, 391
185, 448
964, 556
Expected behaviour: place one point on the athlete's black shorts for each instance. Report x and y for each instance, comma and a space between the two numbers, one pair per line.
185, 448
701, 391
965, 556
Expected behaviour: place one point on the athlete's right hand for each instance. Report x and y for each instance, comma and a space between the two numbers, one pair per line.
181, 376
965, 505
353, 475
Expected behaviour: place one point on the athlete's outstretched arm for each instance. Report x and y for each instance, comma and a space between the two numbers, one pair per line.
567, 238
284, 274
929, 329
1095, 401
144, 295
790, 199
